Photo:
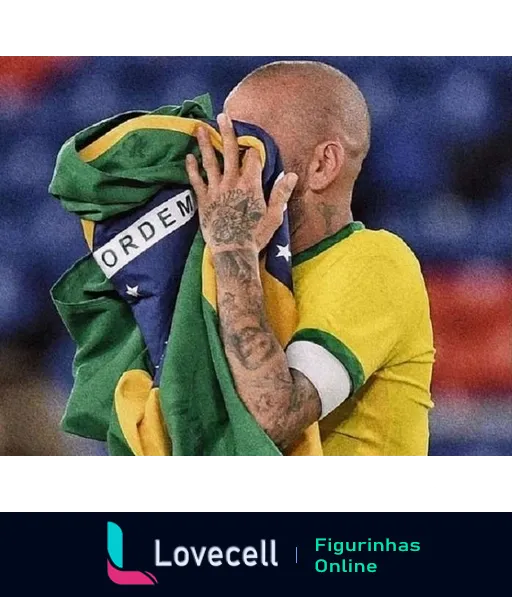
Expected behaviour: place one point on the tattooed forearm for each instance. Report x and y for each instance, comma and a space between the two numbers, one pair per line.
286, 406
237, 223
282, 401
245, 331
240, 266
251, 346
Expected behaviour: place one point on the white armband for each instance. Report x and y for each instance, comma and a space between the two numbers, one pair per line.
329, 377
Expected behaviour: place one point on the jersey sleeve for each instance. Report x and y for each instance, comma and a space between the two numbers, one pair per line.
353, 320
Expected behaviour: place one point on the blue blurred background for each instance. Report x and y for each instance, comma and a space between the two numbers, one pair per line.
439, 174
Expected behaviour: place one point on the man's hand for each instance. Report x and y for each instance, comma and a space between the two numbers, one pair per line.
236, 224
232, 208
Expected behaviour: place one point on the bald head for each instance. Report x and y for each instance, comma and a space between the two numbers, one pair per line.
320, 122
302, 104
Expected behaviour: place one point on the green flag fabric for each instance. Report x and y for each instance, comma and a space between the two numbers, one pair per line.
150, 373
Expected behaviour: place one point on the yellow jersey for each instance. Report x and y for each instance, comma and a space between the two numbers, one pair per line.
364, 338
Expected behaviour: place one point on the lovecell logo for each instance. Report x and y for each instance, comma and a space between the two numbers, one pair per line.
264, 554
115, 561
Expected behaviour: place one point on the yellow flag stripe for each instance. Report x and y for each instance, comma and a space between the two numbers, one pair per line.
88, 228
137, 405
209, 282
177, 124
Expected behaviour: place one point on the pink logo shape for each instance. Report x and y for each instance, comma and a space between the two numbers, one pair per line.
129, 577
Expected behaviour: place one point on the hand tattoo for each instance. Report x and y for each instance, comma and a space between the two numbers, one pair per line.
233, 217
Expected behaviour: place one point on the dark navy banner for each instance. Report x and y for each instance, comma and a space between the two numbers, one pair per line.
268, 554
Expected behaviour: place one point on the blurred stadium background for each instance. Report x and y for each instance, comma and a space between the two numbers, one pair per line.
439, 174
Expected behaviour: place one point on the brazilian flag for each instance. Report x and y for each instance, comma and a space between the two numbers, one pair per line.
150, 373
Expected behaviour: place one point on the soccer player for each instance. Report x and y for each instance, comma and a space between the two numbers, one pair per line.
360, 361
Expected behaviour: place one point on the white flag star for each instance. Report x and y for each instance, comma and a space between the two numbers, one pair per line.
284, 252
132, 291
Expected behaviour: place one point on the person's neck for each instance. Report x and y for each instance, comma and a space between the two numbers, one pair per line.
316, 218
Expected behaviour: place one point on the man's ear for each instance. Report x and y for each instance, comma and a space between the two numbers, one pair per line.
326, 164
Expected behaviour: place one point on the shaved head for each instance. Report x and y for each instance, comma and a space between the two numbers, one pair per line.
320, 122
301, 104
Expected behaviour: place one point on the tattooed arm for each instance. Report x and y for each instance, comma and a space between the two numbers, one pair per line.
282, 400
236, 224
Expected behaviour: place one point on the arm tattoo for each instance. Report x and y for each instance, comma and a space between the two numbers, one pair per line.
236, 265
233, 217
245, 331
288, 420
283, 401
